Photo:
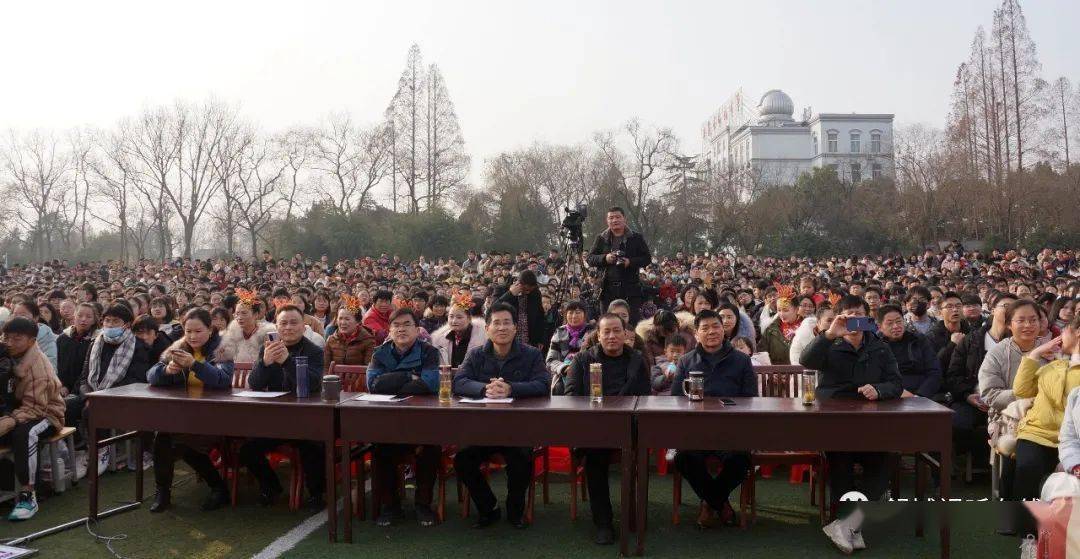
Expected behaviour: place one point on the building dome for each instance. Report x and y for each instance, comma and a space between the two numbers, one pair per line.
775, 107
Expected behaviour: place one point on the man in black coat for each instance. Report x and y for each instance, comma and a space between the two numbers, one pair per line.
728, 373
275, 371
528, 307
919, 368
501, 368
946, 333
620, 254
624, 374
860, 366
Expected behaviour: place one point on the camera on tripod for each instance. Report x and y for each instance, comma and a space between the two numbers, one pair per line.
572, 226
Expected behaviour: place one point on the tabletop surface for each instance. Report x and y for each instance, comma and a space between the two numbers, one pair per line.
146, 392
765, 405
610, 404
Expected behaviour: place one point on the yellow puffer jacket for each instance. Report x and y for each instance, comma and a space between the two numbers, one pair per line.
1050, 385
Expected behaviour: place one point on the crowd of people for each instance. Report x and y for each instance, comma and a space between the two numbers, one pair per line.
991, 334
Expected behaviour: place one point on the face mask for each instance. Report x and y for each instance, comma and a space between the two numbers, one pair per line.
920, 308
113, 333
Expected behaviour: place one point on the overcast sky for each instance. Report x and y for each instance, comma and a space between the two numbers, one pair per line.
517, 71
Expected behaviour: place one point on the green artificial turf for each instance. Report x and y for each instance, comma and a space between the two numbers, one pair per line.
787, 527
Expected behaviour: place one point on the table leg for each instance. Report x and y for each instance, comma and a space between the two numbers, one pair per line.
946, 482
346, 481
138, 467
625, 500
920, 493
91, 465
331, 490
642, 496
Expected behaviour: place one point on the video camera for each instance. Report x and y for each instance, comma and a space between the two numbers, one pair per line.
572, 226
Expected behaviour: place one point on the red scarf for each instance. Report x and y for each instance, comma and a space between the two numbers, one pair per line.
787, 329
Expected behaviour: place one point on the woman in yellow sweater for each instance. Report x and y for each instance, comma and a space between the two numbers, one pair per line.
1049, 384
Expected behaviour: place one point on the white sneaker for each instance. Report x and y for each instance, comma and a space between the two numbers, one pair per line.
147, 462
103, 460
1029, 548
857, 541
840, 535
25, 506
670, 455
81, 457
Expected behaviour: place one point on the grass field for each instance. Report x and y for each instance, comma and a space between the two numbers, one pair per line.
787, 527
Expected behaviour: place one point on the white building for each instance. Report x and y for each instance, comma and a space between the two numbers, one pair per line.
769, 145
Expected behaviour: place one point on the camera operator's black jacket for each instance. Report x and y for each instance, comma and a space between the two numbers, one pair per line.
629, 278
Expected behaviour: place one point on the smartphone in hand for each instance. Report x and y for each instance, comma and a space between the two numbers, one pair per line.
861, 324
272, 336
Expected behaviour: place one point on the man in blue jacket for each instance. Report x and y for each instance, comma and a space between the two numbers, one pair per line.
502, 368
404, 365
728, 373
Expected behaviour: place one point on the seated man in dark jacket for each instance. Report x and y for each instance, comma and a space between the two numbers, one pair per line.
624, 374
919, 368
502, 368
404, 365
275, 371
116, 358
861, 366
728, 373
948, 332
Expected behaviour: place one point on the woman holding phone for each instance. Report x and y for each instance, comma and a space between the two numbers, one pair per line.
198, 359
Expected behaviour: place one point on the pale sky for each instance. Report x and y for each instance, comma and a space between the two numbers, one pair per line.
517, 71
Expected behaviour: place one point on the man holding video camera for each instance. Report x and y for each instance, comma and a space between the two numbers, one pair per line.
620, 254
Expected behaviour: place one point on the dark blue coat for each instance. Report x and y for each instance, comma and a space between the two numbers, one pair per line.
728, 372
523, 369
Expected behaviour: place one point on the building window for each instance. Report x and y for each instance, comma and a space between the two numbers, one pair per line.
875, 171
875, 141
833, 134
855, 141
813, 142
856, 173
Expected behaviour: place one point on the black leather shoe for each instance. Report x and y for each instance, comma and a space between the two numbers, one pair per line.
425, 516
487, 519
215, 500
316, 503
386, 516
605, 535
161, 501
269, 495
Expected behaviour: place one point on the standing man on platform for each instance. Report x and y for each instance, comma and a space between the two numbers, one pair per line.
620, 254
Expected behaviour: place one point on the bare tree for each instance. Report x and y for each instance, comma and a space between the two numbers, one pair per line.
115, 186
354, 160
650, 151
295, 146
37, 166
201, 130
405, 116
153, 145
1063, 103
260, 174
444, 146
225, 160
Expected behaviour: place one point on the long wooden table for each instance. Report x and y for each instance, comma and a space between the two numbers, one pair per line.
212, 412
903, 425
557, 421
